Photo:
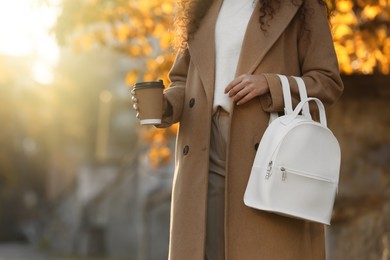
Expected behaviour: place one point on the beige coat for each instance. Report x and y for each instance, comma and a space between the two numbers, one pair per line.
285, 48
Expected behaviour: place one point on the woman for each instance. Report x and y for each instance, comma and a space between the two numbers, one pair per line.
223, 87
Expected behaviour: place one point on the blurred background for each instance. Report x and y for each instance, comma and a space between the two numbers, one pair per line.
79, 179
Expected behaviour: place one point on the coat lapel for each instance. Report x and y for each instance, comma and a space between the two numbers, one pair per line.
257, 42
202, 49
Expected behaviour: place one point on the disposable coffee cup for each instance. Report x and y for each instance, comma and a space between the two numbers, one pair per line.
150, 101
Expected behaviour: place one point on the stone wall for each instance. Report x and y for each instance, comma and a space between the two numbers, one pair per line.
361, 121
115, 210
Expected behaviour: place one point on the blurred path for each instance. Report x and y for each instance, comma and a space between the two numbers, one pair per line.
15, 251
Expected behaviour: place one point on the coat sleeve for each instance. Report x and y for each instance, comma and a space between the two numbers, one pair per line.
175, 92
318, 63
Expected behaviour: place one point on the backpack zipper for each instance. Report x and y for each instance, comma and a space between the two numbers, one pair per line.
269, 168
284, 174
284, 171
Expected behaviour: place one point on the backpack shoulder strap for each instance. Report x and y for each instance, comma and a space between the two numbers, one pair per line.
303, 96
286, 94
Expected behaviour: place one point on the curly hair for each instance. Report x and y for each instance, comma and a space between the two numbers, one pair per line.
191, 13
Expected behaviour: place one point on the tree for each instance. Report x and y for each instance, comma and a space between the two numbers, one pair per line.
23, 148
361, 31
138, 29
142, 30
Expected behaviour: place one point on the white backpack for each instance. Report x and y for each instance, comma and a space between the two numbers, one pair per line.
297, 164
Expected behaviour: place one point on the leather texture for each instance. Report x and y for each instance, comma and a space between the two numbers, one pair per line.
297, 165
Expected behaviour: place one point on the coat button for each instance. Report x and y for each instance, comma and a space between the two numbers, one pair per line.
186, 149
256, 146
192, 102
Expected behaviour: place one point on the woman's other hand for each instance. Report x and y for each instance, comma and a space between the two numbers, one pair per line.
245, 87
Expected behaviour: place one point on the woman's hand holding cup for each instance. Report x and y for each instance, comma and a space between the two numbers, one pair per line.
148, 101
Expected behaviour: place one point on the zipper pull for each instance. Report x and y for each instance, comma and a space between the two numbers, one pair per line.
269, 168
284, 174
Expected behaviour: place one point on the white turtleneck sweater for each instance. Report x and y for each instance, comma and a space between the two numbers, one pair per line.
230, 29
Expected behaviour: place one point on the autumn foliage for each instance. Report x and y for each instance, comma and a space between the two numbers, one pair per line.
361, 31
143, 31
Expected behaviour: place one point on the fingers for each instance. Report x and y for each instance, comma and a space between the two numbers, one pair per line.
237, 89
246, 98
246, 87
238, 84
244, 92
234, 83
135, 101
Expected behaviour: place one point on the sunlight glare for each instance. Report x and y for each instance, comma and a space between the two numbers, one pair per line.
42, 73
24, 32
